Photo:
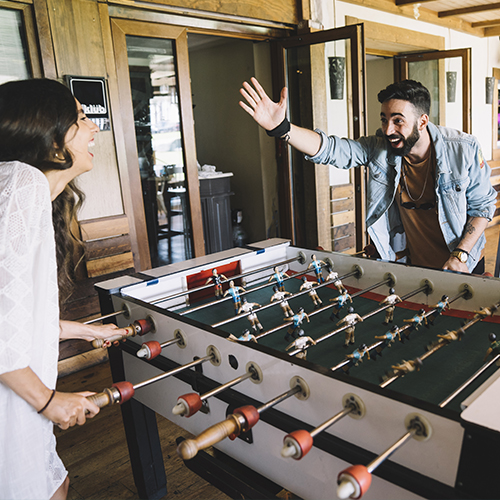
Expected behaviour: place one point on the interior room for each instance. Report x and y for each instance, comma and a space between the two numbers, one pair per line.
235, 298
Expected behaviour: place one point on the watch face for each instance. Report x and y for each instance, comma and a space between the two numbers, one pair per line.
461, 256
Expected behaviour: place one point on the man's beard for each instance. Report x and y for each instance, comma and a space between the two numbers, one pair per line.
408, 142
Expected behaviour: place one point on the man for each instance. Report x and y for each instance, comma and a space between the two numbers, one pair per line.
427, 182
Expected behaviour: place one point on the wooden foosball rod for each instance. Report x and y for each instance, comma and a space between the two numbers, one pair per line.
120, 392
189, 404
241, 420
139, 327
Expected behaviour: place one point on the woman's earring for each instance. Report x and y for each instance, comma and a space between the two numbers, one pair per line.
59, 156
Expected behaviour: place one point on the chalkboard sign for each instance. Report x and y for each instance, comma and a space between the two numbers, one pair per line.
91, 93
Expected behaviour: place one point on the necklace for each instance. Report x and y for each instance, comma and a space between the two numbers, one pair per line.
425, 181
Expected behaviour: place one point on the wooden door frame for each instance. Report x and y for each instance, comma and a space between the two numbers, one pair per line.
123, 120
465, 55
357, 87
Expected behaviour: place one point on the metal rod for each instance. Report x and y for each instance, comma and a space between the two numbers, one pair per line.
225, 386
170, 342
260, 287
468, 381
312, 313
272, 304
243, 275
278, 399
387, 453
331, 421
347, 361
172, 372
100, 318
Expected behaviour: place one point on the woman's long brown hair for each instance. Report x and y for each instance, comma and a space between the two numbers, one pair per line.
35, 116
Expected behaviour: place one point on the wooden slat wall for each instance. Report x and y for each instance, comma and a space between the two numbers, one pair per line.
107, 245
342, 218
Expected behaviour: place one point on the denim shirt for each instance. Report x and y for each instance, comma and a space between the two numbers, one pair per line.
463, 186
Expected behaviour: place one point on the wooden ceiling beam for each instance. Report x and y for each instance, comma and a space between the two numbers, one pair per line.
483, 24
469, 10
409, 2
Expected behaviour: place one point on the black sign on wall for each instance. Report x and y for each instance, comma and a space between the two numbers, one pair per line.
91, 93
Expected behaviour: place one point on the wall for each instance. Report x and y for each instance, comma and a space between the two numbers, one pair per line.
78, 50
379, 74
485, 55
225, 135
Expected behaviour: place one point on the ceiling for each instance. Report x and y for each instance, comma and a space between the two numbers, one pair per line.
477, 17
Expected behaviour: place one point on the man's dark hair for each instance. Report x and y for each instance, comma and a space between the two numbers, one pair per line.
408, 90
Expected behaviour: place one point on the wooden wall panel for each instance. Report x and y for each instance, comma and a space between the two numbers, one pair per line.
281, 11
343, 228
78, 48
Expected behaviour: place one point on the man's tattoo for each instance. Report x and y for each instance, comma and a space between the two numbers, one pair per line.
469, 228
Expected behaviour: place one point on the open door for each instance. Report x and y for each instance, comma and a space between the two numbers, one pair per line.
156, 106
446, 73
324, 72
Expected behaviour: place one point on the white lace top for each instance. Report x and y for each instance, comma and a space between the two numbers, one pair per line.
29, 335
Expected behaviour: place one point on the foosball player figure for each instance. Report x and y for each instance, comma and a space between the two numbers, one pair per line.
308, 285
216, 279
439, 308
334, 276
453, 335
301, 342
417, 320
316, 265
281, 296
407, 366
280, 278
392, 299
245, 337
234, 291
297, 319
356, 357
485, 312
341, 302
389, 338
247, 307
494, 348
350, 320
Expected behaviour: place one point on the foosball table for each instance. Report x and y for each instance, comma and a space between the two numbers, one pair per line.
316, 373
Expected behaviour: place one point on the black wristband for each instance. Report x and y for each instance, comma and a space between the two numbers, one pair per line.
282, 129
48, 402
462, 250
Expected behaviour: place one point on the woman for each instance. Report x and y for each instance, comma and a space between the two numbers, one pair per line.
44, 140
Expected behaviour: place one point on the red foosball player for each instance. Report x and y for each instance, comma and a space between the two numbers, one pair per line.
216, 279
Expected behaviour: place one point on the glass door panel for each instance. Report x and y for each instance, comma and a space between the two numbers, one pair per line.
446, 74
324, 75
157, 123
14, 60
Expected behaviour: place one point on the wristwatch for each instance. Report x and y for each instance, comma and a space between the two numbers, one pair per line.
460, 254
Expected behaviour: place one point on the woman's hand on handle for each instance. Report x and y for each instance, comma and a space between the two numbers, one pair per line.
70, 408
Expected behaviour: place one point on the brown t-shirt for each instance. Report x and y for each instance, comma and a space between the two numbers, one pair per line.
425, 243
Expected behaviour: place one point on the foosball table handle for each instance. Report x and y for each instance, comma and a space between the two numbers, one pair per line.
190, 447
120, 392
